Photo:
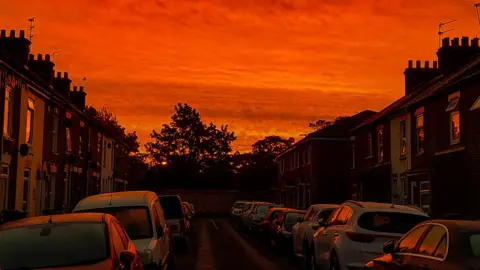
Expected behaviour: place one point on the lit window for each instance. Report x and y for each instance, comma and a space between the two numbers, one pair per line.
454, 127
380, 143
420, 134
476, 104
403, 137
30, 121
69, 139
7, 116
370, 145
55, 133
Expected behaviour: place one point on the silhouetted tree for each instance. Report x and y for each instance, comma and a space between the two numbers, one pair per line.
272, 145
191, 149
321, 124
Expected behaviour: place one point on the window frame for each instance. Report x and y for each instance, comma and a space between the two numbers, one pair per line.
451, 115
403, 137
8, 117
30, 128
420, 150
370, 145
27, 182
55, 123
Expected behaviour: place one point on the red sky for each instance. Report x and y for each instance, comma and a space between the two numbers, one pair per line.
261, 66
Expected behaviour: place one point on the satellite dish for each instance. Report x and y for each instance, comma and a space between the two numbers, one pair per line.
24, 149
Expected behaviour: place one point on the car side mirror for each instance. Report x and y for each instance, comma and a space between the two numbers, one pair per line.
389, 247
127, 260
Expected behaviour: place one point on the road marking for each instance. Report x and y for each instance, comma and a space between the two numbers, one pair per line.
205, 258
214, 224
251, 252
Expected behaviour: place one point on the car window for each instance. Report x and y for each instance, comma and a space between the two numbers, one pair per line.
116, 241
290, 220
172, 207
247, 207
390, 222
441, 250
432, 240
122, 234
261, 209
305, 217
475, 244
408, 243
156, 219
54, 245
333, 216
239, 205
343, 216
323, 215
311, 215
274, 214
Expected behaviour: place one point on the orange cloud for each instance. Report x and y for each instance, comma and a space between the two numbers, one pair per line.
262, 66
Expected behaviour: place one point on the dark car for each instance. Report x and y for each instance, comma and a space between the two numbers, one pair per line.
71, 241
435, 244
177, 219
266, 223
281, 230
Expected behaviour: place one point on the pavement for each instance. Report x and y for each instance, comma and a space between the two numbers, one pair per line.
218, 244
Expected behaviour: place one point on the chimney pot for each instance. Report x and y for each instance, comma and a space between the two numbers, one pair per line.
456, 42
75, 89
22, 33
435, 64
3, 33
465, 41
59, 74
474, 42
65, 75
410, 63
427, 64
12, 33
417, 64
40, 57
81, 88
31, 57
47, 57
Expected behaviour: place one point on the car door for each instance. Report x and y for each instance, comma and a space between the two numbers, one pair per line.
404, 255
299, 234
432, 250
324, 238
162, 245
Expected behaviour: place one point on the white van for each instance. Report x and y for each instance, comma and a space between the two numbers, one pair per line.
141, 215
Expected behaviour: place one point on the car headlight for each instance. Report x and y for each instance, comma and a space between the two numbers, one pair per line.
146, 256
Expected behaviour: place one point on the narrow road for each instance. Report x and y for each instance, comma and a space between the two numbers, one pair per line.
217, 244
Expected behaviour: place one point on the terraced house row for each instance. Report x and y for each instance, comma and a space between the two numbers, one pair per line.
423, 149
52, 152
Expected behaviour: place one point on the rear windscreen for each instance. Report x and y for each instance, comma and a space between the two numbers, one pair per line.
172, 207
389, 222
239, 205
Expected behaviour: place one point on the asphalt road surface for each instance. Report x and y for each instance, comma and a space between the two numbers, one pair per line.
217, 244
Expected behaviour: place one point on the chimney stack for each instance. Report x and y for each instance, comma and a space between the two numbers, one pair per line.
14, 50
414, 76
78, 97
42, 67
62, 84
453, 56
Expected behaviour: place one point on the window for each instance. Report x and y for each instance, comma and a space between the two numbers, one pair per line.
172, 207
352, 149
55, 133
380, 143
80, 140
476, 104
30, 121
26, 189
433, 241
112, 157
389, 222
323, 215
105, 154
116, 241
68, 139
454, 127
89, 138
370, 145
403, 137
343, 217
475, 244
3, 186
334, 215
156, 219
66, 188
51, 190
122, 234
420, 134
99, 145
311, 214
7, 116
408, 243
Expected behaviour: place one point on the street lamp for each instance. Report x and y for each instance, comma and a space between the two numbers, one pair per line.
164, 163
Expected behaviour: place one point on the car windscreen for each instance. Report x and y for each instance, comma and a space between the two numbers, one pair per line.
172, 207
389, 222
291, 219
474, 244
135, 220
262, 209
275, 214
53, 245
239, 205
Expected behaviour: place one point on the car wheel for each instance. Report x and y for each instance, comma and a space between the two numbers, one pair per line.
334, 263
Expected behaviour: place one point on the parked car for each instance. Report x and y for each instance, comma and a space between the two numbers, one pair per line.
187, 211
307, 225
247, 208
70, 241
177, 219
266, 223
258, 213
142, 217
281, 230
237, 209
192, 208
436, 244
355, 233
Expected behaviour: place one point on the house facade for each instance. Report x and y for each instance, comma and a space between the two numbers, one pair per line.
51, 149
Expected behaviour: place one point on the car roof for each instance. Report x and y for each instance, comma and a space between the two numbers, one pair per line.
325, 206
457, 225
64, 218
242, 201
116, 199
385, 207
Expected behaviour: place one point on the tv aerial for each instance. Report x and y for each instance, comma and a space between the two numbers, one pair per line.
441, 31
